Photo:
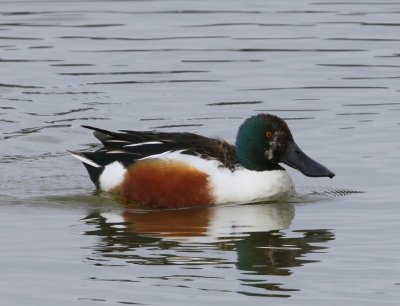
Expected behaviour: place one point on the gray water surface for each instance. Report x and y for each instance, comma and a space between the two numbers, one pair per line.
330, 68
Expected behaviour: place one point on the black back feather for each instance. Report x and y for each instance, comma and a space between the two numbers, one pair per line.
128, 146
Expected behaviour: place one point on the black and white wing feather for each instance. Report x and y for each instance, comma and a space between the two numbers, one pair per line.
127, 147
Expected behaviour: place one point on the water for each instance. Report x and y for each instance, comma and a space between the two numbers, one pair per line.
330, 68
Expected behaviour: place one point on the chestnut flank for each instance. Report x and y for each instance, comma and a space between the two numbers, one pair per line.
157, 183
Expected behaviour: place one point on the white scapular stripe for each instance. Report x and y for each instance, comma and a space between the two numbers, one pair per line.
84, 159
116, 141
116, 152
142, 144
160, 156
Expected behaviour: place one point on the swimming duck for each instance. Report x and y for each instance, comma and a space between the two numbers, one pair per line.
174, 170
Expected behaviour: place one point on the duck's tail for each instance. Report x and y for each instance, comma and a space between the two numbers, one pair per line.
94, 169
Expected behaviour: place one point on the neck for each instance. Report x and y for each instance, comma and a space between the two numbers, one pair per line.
253, 160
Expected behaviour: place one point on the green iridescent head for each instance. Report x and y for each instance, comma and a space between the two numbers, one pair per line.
263, 141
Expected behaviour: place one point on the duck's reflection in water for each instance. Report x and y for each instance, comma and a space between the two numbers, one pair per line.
258, 233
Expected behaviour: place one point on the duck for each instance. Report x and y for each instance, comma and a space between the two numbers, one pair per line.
172, 170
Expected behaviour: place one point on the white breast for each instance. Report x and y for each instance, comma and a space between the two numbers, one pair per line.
246, 186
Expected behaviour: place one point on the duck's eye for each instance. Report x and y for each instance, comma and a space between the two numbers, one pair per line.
268, 134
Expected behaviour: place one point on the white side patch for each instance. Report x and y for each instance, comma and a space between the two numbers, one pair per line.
112, 176
143, 144
85, 160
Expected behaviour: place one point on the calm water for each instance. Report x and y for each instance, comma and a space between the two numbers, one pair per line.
331, 68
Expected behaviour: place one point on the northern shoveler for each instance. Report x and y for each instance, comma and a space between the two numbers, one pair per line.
173, 170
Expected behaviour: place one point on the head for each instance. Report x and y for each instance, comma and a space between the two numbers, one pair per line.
263, 141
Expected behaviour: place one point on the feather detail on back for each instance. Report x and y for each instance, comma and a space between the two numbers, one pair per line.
141, 144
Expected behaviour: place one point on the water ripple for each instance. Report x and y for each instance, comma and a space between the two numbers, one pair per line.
62, 93
153, 82
223, 61
19, 38
76, 110
319, 87
249, 24
19, 86
132, 72
2, 60
77, 119
143, 38
57, 25
224, 50
26, 131
372, 104
234, 103
359, 65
